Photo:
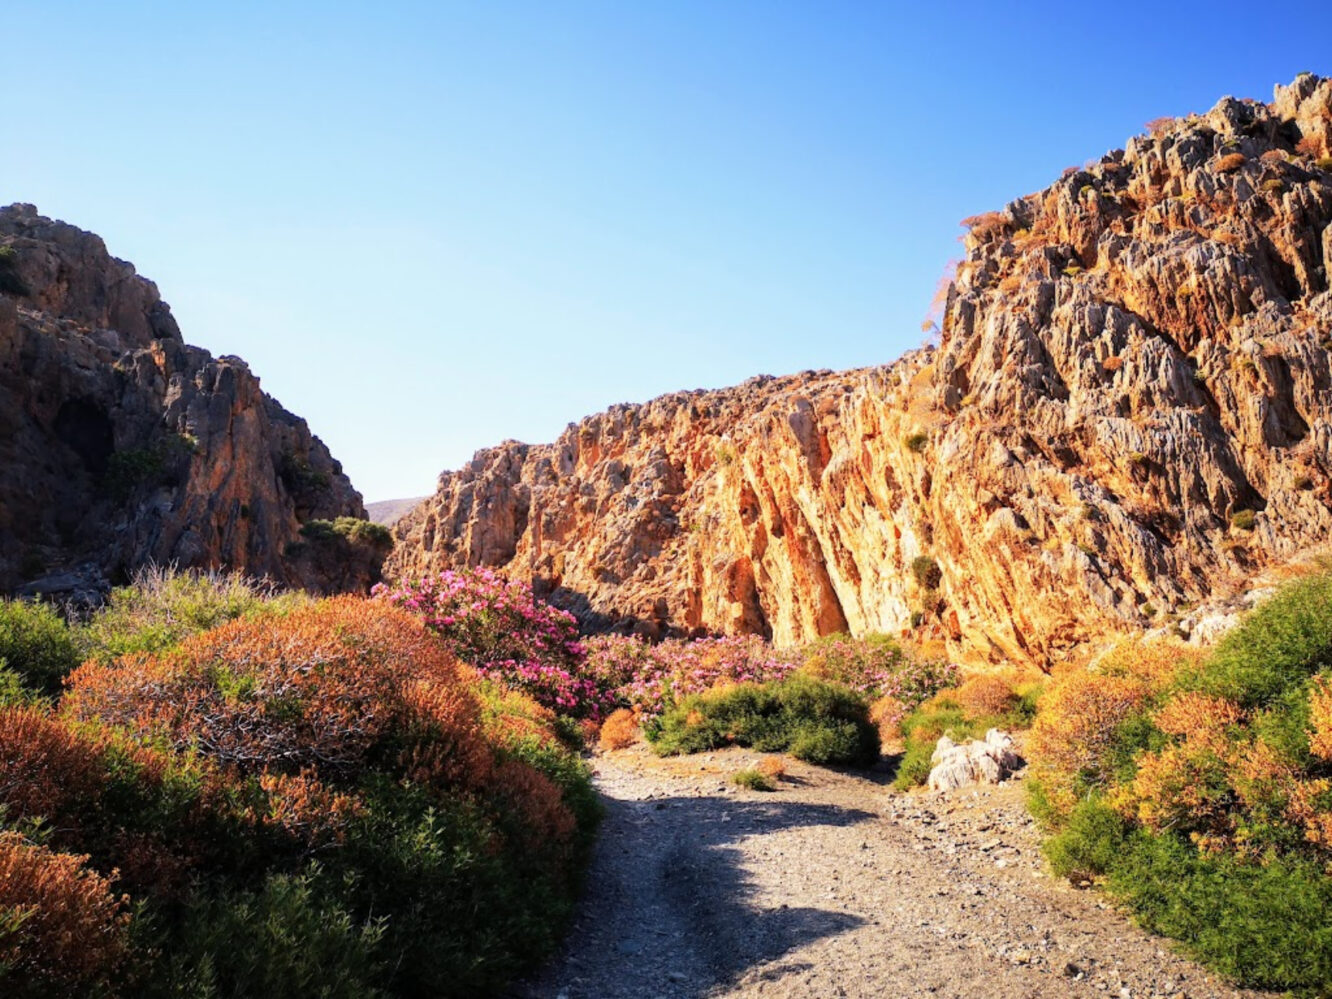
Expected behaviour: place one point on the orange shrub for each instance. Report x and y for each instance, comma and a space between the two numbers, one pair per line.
984, 694
1230, 163
619, 730
1070, 742
318, 688
308, 809
886, 715
46, 768
71, 931
1200, 719
773, 767
1113, 363
1320, 718
1181, 787
1309, 146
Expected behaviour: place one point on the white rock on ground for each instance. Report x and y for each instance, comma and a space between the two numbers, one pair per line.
973, 762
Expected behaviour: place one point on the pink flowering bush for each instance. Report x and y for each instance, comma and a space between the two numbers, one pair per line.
877, 667
499, 627
653, 677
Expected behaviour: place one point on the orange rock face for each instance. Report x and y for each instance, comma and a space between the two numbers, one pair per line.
1128, 412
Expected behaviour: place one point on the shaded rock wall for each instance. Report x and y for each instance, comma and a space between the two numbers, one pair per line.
121, 444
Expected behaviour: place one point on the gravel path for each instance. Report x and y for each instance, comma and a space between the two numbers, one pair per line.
835, 886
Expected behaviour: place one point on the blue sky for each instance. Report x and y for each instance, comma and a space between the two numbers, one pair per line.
433, 226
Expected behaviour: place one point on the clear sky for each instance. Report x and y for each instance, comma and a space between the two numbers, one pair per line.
432, 226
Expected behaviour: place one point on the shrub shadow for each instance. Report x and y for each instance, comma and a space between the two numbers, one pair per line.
669, 909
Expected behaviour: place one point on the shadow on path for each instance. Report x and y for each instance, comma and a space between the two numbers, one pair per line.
668, 909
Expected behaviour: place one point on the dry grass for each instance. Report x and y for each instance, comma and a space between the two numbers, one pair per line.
1230, 162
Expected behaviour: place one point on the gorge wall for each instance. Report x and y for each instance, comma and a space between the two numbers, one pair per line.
122, 445
1127, 412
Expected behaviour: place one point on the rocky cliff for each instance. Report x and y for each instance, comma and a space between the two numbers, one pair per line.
121, 444
1128, 411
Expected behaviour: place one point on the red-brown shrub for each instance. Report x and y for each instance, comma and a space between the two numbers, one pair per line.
1230, 163
315, 688
985, 694
619, 730
71, 932
1309, 146
46, 768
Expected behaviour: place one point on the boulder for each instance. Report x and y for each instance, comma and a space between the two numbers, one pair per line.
986, 761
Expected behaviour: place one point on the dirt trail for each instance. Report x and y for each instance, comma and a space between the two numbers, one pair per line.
835, 886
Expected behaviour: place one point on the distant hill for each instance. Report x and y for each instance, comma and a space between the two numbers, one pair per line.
388, 512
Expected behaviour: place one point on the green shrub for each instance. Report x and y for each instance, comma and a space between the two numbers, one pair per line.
913, 768
1089, 844
352, 529
916, 441
287, 938
753, 779
811, 719
1217, 769
926, 572
10, 282
161, 462
36, 645
1265, 925
1244, 520
1276, 648
161, 607
299, 476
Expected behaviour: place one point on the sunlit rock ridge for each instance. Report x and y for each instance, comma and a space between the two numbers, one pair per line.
1127, 412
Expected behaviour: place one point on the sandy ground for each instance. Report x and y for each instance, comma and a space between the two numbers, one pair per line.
834, 885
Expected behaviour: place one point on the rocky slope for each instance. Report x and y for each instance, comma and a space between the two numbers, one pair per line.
121, 444
1128, 412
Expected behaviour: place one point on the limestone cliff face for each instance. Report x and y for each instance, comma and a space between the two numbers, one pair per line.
121, 444
1129, 410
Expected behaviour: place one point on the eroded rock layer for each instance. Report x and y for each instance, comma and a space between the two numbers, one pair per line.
120, 444
1127, 412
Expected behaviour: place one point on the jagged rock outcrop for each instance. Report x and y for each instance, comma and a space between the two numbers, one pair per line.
1128, 412
121, 444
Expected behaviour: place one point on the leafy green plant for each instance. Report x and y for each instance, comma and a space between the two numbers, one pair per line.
926, 572
1244, 520
753, 779
36, 646
812, 720
351, 529
1264, 925
916, 441
162, 606
10, 282
159, 463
